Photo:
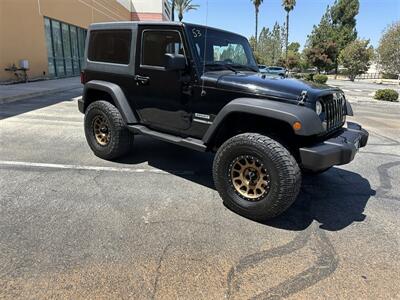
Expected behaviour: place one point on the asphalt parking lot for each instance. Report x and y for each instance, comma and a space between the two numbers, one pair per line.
151, 225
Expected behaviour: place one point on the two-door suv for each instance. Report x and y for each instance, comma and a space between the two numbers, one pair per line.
200, 87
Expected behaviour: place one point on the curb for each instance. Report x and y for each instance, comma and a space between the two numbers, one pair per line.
375, 102
11, 99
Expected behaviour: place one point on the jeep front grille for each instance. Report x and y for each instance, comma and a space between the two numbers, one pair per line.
333, 107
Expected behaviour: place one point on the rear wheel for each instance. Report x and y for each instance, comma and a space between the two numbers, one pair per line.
256, 176
106, 132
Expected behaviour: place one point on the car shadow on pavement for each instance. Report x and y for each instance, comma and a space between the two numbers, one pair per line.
12, 109
335, 199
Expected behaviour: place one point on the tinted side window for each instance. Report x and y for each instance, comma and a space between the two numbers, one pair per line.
112, 46
156, 43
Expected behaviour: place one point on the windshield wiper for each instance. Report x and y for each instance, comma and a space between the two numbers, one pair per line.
224, 66
246, 67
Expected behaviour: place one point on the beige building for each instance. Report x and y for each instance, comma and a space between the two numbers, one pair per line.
48, 36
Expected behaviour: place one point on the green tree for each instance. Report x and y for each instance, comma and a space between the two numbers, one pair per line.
257, 4
356, 57
322, 56
295, 47
389, 49
343, 17
288, 5
276, 43
270, 45
293, 58
183, 6
321, 49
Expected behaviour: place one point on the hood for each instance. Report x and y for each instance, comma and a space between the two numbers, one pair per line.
269, 86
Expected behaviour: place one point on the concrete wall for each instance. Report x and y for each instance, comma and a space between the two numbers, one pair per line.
22, 34
144, 10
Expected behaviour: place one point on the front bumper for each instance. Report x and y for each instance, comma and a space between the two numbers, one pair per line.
338, 150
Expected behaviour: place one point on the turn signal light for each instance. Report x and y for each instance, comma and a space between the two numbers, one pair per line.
297, 126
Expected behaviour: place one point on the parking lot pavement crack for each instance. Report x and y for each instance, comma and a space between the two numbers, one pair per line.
325, 265
392, 142
158, 270
381, 154
99, 186
386, 181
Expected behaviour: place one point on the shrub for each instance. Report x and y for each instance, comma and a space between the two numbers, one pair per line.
387, 95
297, 76
319, 78
309, 76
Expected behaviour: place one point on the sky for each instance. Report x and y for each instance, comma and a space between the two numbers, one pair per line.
238, 16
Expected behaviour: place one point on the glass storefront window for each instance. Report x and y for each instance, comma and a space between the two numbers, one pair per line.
81, 43
47, 26
65, 48
74, 48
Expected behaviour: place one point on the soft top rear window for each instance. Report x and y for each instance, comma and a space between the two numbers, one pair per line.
110, 46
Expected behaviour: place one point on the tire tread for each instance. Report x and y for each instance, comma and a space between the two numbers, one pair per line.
289, 174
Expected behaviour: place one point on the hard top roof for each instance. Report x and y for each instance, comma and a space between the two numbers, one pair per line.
135, 24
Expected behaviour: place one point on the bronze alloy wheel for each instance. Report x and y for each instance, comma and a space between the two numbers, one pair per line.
101, 130
249, 178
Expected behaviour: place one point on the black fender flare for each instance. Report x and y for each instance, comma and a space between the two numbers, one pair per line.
289, 113
117, 95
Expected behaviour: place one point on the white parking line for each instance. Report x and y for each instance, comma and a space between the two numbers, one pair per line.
88, 168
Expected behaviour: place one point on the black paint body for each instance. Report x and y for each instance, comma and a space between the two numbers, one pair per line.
170, 99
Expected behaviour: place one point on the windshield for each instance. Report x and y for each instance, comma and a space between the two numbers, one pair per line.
221, 50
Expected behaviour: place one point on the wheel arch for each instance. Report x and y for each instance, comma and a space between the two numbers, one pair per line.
242, 122
279, 115
102, 90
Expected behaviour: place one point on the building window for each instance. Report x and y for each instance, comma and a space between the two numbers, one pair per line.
65, 48
111, 46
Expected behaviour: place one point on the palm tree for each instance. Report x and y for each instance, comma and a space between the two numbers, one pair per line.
183, 6
257, 4
288, 5
172, 10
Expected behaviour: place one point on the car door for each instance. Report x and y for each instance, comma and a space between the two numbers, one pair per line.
160, 99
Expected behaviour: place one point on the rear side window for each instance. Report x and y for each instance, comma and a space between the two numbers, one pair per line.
111, 46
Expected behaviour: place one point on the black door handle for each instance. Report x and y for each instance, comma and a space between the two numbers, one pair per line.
143, 80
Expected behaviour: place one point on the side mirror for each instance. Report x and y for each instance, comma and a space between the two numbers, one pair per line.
175, 62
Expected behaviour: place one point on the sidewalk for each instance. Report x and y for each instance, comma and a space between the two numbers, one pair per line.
376, 81
14, 92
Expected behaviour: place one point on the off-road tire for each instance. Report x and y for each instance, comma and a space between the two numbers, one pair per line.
121, 139
285, 176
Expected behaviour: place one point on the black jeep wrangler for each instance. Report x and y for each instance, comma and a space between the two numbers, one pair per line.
200, 87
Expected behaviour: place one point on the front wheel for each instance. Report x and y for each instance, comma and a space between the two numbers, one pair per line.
256, 176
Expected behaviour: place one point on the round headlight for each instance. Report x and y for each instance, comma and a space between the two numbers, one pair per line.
318, 108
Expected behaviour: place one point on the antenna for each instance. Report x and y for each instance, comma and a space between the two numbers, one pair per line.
203, 91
